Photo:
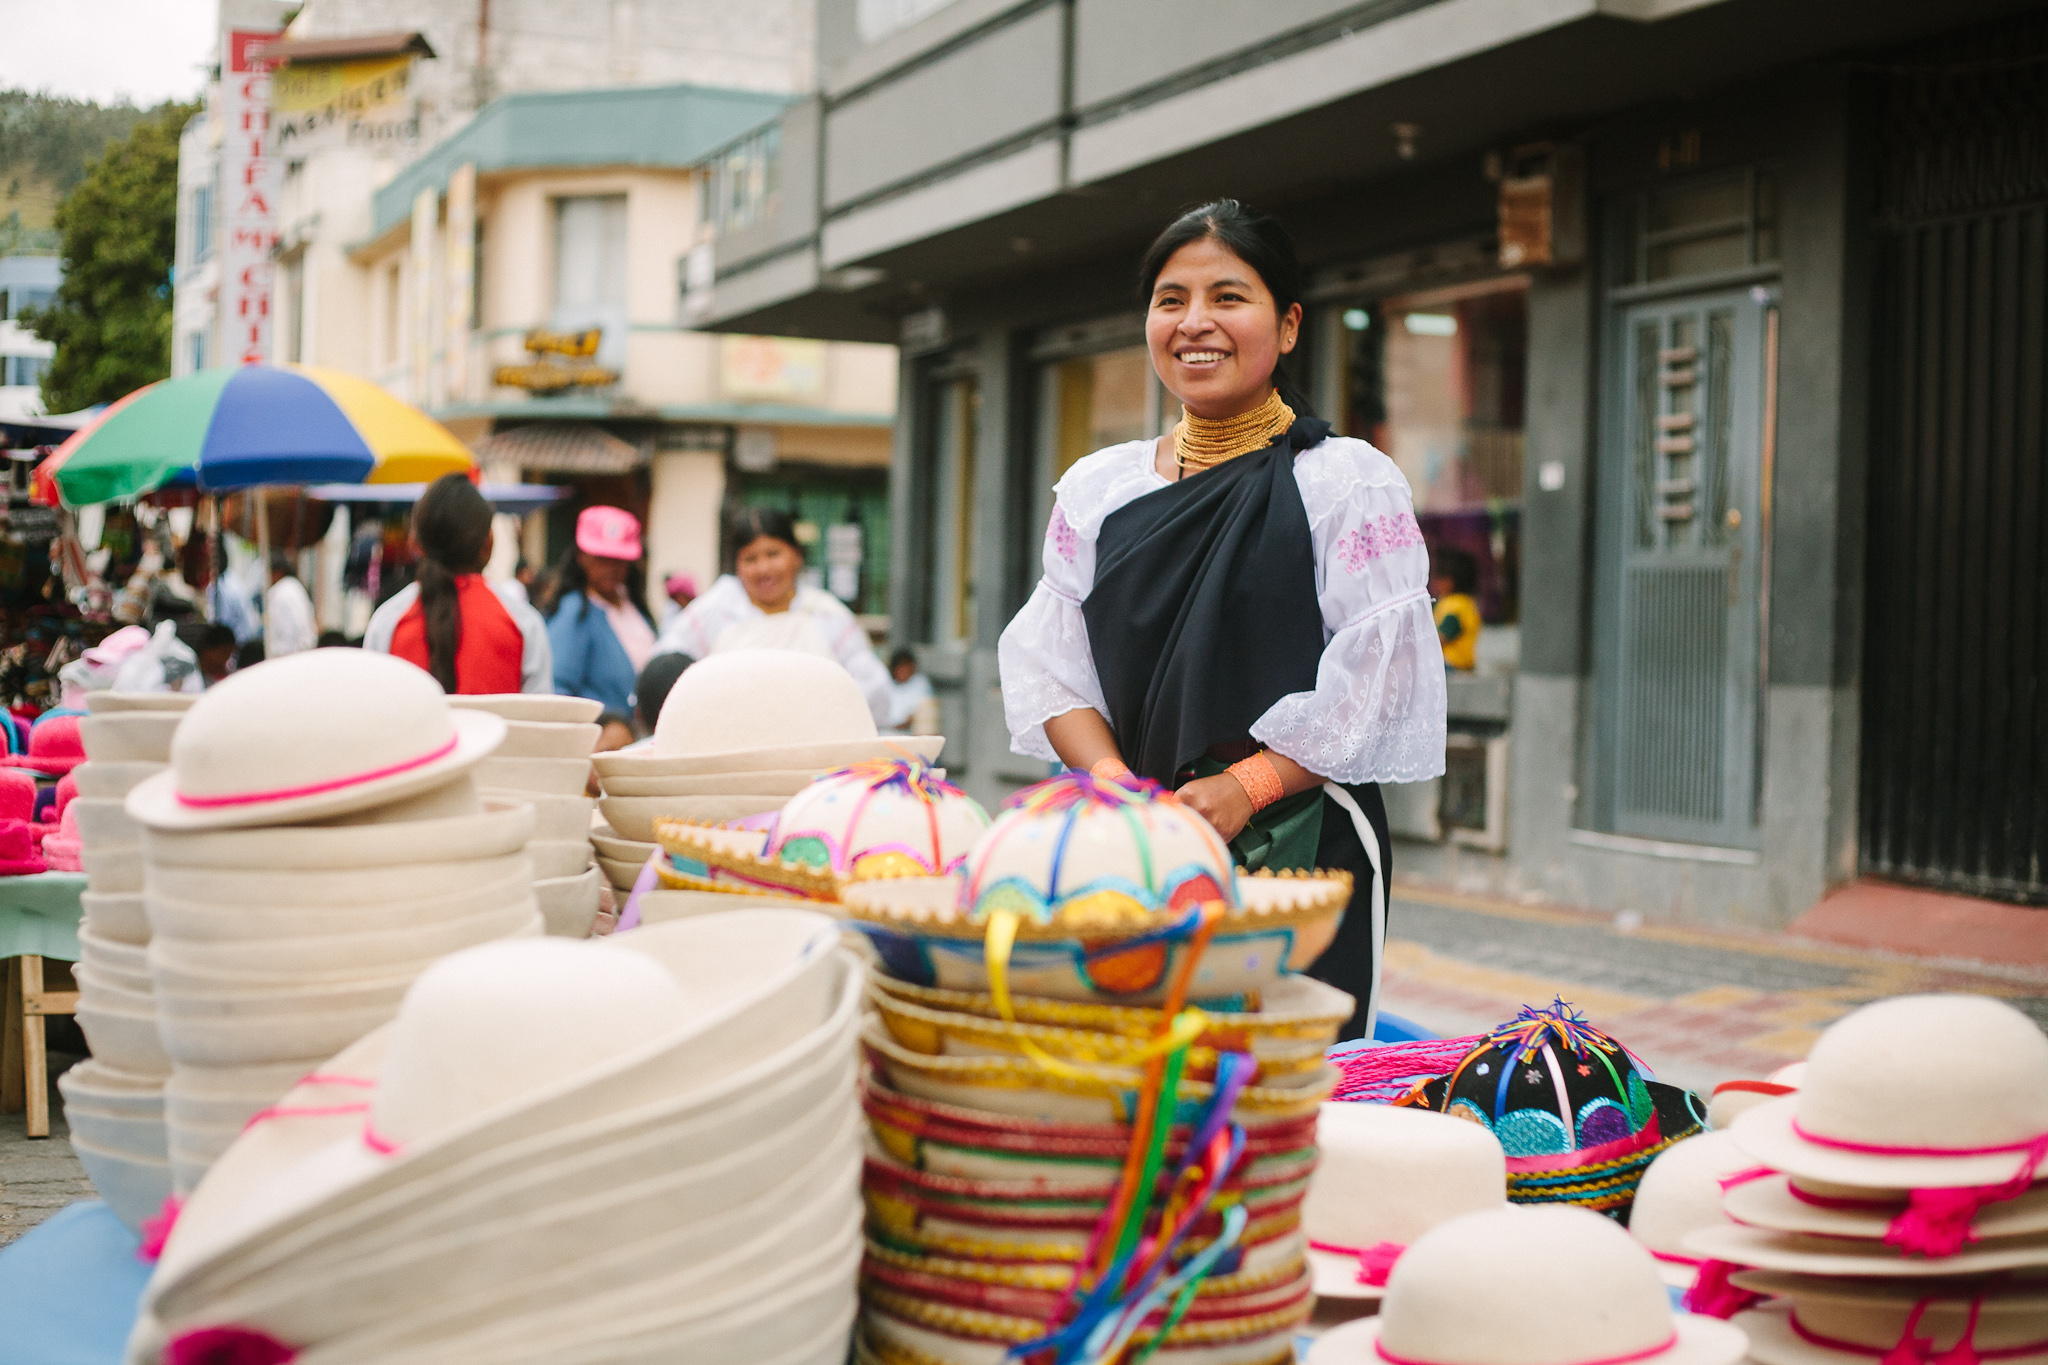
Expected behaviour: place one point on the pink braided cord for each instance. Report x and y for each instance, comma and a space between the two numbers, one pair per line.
1383, 1074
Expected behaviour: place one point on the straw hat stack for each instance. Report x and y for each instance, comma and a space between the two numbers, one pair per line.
114, 1100
1896, 1204
644, 1148
545, 761
315, 844
739, 734
1010, 1084
1555, 1285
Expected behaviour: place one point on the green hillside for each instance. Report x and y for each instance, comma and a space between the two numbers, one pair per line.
45, 143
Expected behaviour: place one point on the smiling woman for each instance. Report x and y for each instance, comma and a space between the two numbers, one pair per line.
1239, 609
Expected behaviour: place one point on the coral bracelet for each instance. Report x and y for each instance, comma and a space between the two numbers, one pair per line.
1261, 782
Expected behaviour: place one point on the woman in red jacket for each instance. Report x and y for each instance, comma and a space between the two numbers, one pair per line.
471, 635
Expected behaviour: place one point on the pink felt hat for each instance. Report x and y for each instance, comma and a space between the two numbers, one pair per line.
608, 533
61, 849
18, 849
17, 794
53, 747
67, 787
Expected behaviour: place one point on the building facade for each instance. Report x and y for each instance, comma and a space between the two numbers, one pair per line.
457, 183
1706, 333
25, 282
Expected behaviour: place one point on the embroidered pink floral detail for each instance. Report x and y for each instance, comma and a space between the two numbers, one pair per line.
1064, 540
1377, 536
227, 1346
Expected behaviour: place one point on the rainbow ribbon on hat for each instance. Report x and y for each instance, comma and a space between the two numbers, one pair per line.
1122, 1279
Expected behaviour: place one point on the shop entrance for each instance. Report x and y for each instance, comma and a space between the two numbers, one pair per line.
1680, 623
1954, 790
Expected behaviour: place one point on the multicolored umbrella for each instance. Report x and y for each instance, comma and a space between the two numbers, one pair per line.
242, 426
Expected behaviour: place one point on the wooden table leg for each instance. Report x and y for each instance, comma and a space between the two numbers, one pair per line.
11, 1039
35, 1057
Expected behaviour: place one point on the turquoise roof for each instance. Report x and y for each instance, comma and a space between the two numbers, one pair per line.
653, 125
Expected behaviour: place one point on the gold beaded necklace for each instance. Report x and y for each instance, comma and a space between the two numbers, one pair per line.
1201, 443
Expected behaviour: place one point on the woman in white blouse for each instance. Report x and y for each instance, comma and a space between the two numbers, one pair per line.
764, 603
1239, 610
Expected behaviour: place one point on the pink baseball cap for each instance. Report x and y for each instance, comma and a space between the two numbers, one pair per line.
608, 533
679, 582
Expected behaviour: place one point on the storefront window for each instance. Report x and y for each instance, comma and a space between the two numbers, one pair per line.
1436, 381
1093, 401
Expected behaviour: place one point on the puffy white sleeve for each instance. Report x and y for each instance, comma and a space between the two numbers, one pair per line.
1377, 711
1046, 666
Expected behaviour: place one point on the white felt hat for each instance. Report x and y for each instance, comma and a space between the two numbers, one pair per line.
782, 1099
308, 736
761, 709
263, 889
1782, 1203
129, 736
747, 986
1821, 1323
1549, 1285
403, 834
1811, 1254
1732, 1099
1914, 1092
1384, 1177
1679, 1194
101, 703
198, 921
548, 739
526, 706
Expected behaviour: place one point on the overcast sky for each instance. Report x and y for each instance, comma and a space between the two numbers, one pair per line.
148, 50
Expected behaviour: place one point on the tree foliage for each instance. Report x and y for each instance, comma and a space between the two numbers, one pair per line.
111, 318
46, 141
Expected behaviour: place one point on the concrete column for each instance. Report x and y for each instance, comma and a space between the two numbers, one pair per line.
682, 516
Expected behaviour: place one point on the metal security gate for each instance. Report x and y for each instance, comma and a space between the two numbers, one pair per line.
1954, 790
1679, 699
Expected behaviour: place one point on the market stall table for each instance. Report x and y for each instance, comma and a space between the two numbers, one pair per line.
38, 923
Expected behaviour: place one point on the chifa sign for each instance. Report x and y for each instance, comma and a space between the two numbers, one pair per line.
547, 374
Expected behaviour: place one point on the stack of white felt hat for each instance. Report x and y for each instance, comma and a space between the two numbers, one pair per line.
636, 1148
545, 762
1895, 1206
739, 734
316, 843
1528, 1285
114, 1100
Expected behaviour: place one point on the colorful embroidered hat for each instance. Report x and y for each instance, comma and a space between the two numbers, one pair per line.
1385, 1177
1849, 1322
54, 747
18, 856
1579, 1120
311, 736
886, 818
1528, 1286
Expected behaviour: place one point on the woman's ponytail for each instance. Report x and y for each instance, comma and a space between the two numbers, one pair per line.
452, 524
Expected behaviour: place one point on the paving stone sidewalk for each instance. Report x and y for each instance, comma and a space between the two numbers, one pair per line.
38, 1176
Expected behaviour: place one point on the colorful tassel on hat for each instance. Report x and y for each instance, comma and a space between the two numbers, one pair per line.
1713, 1296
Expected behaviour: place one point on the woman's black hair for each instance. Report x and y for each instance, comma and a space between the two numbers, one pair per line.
745, 525
452, 524
1261, 243
568, 583
902, 656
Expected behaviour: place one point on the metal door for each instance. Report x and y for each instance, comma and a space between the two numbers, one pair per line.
1955, 712
1679, 700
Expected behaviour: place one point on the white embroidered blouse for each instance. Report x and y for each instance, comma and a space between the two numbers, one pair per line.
697, 628
1377, 711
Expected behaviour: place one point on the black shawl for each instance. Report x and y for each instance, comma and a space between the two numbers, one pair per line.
1203, 613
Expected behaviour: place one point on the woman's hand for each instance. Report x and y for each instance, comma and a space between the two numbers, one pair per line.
1220, 800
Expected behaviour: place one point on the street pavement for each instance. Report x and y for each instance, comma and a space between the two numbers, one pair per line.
1699, 1006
